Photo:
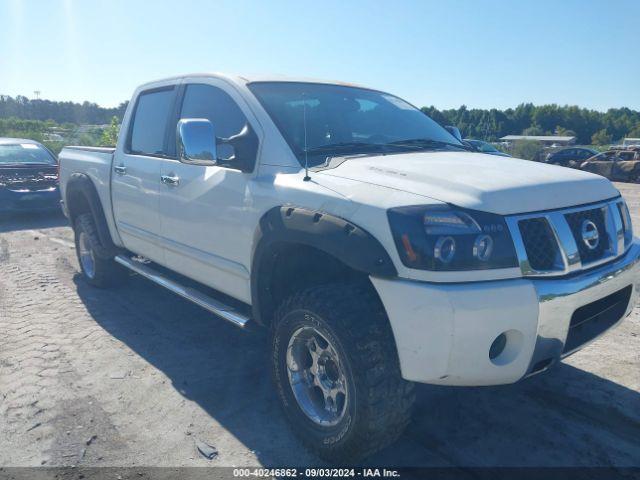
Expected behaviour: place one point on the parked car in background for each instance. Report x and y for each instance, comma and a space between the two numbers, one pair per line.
570, 156
485, 147
28, 176
621, 165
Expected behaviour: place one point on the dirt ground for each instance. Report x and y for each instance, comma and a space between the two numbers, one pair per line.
136, 375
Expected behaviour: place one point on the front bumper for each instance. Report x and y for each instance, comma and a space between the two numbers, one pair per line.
443, 332
29, 201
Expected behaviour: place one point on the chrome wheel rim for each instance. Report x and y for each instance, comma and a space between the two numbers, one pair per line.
317, 377
87, 260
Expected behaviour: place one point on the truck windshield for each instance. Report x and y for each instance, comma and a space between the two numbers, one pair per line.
25, 153
343, 120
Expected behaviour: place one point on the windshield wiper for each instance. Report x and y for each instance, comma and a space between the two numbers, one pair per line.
365, 147
428, 143
345, 146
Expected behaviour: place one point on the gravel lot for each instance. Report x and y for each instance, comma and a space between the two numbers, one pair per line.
134, 376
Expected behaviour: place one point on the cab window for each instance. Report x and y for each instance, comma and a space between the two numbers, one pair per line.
217, 106
147, 135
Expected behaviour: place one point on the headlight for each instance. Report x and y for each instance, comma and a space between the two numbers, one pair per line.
448, 238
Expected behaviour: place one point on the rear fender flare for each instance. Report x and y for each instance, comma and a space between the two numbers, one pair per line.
79, 184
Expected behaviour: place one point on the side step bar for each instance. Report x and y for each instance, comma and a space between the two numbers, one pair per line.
205, 301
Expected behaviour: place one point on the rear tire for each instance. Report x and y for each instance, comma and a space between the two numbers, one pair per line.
97, 266
374, 406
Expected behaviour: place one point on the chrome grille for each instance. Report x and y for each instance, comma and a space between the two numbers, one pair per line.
553, 243
539, 242
576, 220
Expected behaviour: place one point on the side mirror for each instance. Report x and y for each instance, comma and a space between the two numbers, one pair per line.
196, 142
455, 131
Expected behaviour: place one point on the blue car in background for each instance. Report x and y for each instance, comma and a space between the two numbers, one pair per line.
28, 177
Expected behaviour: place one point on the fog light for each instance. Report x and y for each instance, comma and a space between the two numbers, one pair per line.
497, 347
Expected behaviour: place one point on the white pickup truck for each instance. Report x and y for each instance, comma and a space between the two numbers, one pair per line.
376, 248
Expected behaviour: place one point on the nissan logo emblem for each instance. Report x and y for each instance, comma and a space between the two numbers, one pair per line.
590, 235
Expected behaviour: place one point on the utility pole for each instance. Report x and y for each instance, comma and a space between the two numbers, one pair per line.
37, 94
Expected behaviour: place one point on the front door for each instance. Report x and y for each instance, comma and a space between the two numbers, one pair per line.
136, 173
206, 212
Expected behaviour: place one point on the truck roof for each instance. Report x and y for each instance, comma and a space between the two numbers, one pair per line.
245, 79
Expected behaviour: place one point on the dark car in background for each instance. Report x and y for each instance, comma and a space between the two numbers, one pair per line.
485, 147
616, 164
28, 177
571, 156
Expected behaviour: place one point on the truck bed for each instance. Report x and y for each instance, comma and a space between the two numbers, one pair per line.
91, 149
95, 162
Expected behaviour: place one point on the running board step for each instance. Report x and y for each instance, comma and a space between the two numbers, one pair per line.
205, 301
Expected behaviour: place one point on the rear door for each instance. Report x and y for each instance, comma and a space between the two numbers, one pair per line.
567, 157
561, 158
580, 156
136, 172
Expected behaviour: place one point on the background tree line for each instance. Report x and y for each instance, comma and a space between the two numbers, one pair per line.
85, 113
63, 123
589, 126
56, 124
55, 135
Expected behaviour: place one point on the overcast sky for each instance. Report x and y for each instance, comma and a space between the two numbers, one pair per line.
443, 53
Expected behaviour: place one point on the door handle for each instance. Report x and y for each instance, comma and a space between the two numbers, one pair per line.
170, 180
120, 169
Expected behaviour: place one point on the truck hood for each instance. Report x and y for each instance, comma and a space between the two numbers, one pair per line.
478, 181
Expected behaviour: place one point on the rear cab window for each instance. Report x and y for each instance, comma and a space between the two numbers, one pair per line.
148, 131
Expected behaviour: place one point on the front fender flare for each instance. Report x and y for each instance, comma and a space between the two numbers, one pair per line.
335, 236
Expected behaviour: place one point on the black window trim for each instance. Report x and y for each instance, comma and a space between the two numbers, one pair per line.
175, 87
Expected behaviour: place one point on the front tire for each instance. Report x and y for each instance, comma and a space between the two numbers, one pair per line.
337, 373
97, 266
